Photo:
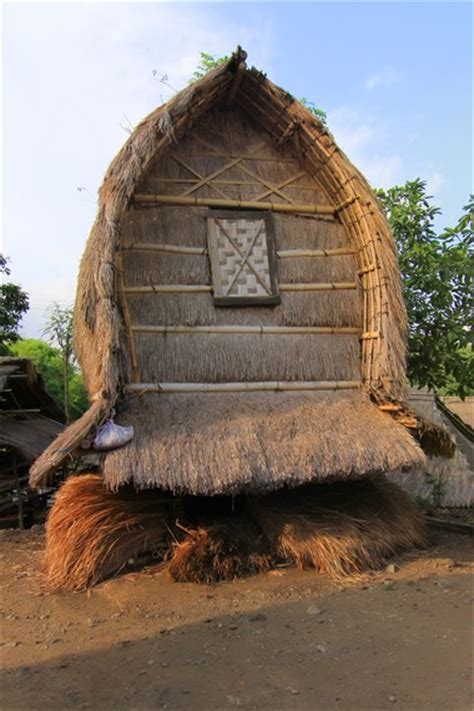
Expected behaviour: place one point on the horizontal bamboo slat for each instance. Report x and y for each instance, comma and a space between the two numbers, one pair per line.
169, 248
281, 253
310, 208
189, 288
319, 286
20, 411
293, 330
217, 181
167, 289
297, 253
268, 385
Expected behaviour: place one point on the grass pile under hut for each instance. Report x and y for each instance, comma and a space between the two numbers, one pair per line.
339, 529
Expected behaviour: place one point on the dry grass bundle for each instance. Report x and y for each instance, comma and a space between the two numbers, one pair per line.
222, 550
91, 533
342, 528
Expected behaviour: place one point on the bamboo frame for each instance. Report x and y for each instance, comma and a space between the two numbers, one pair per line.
262, 330
168, 289
319, 286
269, 385
297, 253
199, 177
208, 178
189, 288
202, 251
20, 411
127, 321
168, 248
191, 181
183, 200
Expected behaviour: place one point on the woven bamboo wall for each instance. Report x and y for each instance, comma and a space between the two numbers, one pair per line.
257, 169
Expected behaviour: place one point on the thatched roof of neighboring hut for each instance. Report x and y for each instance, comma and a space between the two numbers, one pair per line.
29, 417
196, 442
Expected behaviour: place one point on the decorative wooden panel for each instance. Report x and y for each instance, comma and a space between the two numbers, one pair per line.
243, 266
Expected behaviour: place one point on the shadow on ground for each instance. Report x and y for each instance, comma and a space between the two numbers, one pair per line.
401, 644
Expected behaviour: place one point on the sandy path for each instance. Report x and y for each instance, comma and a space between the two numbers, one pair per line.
285, 640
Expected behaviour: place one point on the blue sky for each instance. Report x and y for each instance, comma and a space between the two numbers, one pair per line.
394, 78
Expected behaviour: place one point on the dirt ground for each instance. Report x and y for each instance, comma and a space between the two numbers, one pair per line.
399, 639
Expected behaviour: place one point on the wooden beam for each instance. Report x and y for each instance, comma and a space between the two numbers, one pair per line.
263, 330
237, 80
305, 208
273, 386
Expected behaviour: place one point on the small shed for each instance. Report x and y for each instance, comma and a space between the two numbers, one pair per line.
29, 421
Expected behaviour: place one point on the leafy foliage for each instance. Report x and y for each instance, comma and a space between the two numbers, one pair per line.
437, 273
317, 113
49, 362
206, 64
14, 302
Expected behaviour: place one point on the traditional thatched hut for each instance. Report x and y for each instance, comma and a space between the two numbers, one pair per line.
239, 303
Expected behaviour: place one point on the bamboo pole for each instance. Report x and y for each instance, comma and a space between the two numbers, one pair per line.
297, 253
269, 385
26, 411
128, 322
319, 286
263, 330
190, 288
169, 248
309, 208
167, 289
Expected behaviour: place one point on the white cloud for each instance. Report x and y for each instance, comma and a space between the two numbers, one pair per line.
74, 75
384, 78
364, 139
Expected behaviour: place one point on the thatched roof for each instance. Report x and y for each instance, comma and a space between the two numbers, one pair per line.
29, 417
101, 330
215, 444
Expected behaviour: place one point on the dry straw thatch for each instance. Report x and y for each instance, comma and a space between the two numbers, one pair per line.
341, 529
109, 355
338, 529
214, 444
92, 534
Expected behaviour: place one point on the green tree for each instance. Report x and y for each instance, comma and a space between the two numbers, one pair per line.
59, 331
14, 303
49, 362
437, 272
